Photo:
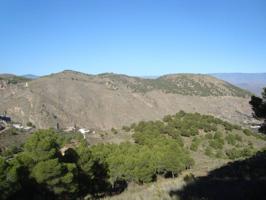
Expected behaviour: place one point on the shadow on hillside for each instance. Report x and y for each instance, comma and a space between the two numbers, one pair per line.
241, 180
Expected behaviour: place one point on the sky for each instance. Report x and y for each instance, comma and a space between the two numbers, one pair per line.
134, 37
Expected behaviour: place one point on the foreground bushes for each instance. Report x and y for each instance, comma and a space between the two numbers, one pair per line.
141, 163
183, 124
239, 153
43, 169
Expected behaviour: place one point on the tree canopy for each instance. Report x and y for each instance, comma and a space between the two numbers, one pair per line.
259, 107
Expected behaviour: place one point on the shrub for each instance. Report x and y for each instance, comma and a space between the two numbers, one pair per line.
231, 139
114, 131
195, 144
216, 143
167, 118
238, 138
209, 152
126, 128
209, 136
238, 153
247, 132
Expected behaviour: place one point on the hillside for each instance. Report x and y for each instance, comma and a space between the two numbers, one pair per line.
110, 100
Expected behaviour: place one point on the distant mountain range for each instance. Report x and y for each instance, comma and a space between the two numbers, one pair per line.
31, 76
253, 82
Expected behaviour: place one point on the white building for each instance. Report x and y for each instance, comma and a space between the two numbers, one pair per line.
83, 132
17, 126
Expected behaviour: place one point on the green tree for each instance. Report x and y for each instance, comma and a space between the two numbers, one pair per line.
259, 107
57, 177
42, 145
9, 183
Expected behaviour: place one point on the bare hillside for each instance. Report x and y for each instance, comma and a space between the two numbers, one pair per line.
110, 100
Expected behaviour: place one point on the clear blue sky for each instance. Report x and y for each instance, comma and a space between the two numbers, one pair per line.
135, 37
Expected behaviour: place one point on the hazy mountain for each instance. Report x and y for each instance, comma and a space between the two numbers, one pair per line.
112, 100
253, 82
30, 76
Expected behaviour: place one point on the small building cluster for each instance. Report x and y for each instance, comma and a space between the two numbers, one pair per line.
83, 131
20, 127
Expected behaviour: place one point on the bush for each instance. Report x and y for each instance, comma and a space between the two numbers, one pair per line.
216, 143
209, 152
29, 124
247, 132
238, 153
126, 128
208, 136
195, 144
114, 131
231, 139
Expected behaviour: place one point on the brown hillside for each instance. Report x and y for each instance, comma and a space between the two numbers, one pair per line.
110, 100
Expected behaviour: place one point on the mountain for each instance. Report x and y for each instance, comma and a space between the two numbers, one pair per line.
10, 79
253, 82
30, 76
111, 100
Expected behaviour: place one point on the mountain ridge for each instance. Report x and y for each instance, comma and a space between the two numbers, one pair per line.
110, 100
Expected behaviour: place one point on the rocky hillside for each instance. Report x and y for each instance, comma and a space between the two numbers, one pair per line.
110, 100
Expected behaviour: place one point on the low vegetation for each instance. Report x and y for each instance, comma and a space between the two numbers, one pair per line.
52, 165
184, 84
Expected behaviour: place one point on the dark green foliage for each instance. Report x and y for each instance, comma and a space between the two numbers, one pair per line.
141, 163
182, 124
247, 132
58, 177
259, 107
195, 144
239, 153
126, 128
209, 136
8, 179
40, 170
30, 124
114, 131
42, 145
209, 152
217, 141
167, 118
233, 138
